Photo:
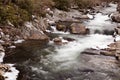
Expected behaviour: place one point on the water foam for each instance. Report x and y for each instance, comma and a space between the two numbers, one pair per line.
13, 74
67, 54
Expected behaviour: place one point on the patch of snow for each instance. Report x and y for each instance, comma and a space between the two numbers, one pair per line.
117, 38
50, 22
33, 16
12, 47
2, 55
19, 41
90, 16
48, 31
1, 41
13, 74
28, 24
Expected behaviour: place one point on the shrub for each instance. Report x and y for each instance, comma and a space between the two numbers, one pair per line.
39, 6
13, 14
62, 4
25, 4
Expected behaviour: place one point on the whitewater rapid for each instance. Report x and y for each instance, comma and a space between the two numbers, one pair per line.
65, 56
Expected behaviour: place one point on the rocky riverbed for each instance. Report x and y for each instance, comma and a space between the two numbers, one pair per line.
75, 45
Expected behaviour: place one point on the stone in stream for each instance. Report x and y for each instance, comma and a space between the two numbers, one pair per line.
60, 27
82, 17
35, 30
91, 51
116, 17
118, 7
37, 35
69, 39
117, 30
104, 67
77, 28
59, 41
112, 50
108, 52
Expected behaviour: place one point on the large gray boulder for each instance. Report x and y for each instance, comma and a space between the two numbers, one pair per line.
34, 31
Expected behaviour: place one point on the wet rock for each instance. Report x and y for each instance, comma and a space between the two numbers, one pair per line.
94, 62
116, 17
112, 50
108, 32
117, 30
60, 27
36, 35
82, 17
91, 52
57, 41
69, 39
85, 11
108, 52
117, 47
118, 7
60, 41
77, 28
34, 31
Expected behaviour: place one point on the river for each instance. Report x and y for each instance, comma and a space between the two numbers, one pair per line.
40, 61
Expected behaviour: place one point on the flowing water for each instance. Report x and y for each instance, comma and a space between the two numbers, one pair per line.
40, 61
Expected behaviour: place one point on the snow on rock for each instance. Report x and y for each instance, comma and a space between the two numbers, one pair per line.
19, 41
12, 74
2, 54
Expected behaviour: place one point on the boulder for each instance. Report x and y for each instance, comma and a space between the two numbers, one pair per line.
35, 30
117, 30
57, 41
69, 39
112, 50
108, 53
82, 17
60, 41
116, 17
60, 27
118, 7
36, 35
91, 52
77, 28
